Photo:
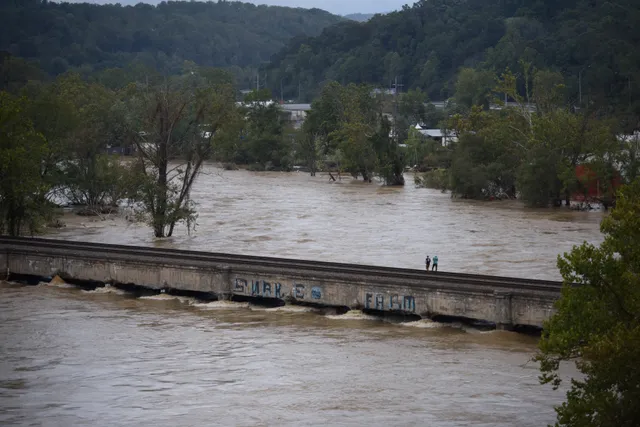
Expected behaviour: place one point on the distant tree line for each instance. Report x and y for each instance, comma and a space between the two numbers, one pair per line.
87, 37
592, 44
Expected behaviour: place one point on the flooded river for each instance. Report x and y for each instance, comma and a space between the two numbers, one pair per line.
76, 358
104, 358
296, 216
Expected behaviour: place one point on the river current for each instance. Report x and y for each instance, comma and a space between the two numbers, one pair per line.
70, 357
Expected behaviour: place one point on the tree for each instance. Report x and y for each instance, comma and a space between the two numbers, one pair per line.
89, 176
267, 146
597, 323
22, 151
474, 87
174, 121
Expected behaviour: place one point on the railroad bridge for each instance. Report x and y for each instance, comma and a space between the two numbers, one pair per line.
505, 301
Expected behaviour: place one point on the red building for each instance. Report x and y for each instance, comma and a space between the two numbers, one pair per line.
593, 188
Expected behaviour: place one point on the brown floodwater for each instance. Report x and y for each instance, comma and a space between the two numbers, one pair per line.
294, 215
103, 358
70, 357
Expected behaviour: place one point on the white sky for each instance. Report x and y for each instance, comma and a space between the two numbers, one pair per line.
338, 7
341, 7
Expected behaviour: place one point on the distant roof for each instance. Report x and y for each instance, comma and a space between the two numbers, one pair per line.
433, 133
296, 107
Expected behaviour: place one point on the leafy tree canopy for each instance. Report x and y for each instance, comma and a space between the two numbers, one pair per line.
592, 44
597, 323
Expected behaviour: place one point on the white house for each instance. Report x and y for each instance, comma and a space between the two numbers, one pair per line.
438, 135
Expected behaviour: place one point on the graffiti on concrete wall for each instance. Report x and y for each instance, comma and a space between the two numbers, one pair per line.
298, 291
264, 289
394, 302
258, 288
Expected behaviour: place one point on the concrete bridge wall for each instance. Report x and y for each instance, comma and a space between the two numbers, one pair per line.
504, 301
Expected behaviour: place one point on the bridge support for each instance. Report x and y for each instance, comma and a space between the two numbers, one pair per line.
4, 265
227, 287
503, 301
504, 315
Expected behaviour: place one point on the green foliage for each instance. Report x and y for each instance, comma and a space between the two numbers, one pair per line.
436, 178
487, 155
425, 154
264, 137
349, 131
597, 324
426, 45
474, 87
174, 122
533, 152
222, 34
22, 151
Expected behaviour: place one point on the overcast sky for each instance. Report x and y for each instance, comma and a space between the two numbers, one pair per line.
339, 7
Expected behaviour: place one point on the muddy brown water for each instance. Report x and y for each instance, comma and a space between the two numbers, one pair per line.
69, 357
294, 215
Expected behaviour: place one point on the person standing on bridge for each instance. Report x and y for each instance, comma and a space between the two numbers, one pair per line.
427, 261
435, 263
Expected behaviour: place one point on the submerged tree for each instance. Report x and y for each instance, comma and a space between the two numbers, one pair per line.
22, 151
174, 121
597, 323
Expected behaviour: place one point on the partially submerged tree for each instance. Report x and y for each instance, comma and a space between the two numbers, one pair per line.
346, 127
597, 323
174, 121
22, 151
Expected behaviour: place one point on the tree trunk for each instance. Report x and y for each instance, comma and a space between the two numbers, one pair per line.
160, 215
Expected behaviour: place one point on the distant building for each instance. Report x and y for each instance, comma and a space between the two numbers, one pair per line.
436, 134
592, 188
295, 113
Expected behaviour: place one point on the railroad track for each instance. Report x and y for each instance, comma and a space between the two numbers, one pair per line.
39, 244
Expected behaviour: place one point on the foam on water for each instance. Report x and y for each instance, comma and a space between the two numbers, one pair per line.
167, 297
107, 289
353, 315
56, 285
221, 305
424, 324
286, 309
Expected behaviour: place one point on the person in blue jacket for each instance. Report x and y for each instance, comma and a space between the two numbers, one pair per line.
435, 263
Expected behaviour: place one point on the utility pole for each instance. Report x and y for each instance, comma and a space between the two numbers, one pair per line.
580, 84
396, 87
281, 92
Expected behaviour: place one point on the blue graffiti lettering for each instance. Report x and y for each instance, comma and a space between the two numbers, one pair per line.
409, 303
367, 300
379, 302
255, 288
278, 290
394, 303
298, 291
240, 285
316, 293
266, 289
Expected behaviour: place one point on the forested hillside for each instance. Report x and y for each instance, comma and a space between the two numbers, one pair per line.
223, 34
591, 41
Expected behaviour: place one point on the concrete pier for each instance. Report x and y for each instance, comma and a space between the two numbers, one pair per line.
507, 302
